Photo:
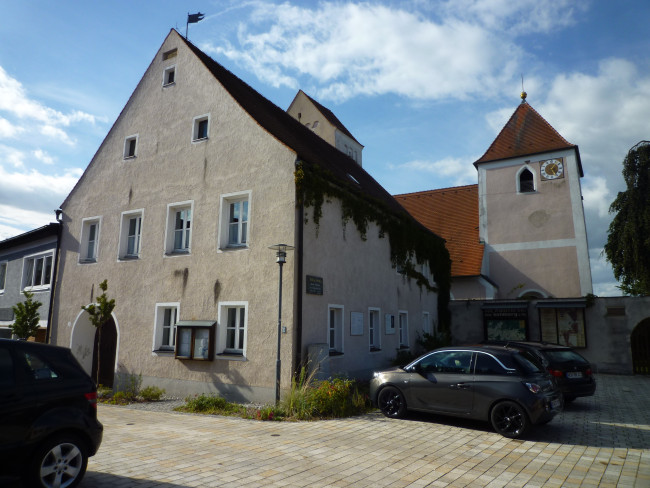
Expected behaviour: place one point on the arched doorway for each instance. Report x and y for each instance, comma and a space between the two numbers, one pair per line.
640, 342
104, 354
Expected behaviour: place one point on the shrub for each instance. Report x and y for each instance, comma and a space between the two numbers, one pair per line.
337, 398
120, 398
151, 393
211, 404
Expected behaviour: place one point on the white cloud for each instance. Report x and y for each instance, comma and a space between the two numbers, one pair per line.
43, 156
597, 197
9, 130
15, 101
455, 171
365, 48
17, 220
14, 157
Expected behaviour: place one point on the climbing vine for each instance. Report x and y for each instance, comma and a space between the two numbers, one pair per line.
410, 242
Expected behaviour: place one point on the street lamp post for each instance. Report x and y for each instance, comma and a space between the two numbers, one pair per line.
281, 255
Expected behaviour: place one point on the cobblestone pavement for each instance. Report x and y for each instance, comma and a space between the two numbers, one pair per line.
603, 440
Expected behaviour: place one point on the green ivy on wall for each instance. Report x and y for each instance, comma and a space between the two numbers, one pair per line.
410, 242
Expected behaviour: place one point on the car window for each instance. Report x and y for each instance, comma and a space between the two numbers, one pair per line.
565, 356
7, 378
38, 368
446, 362
528, 362
486, 364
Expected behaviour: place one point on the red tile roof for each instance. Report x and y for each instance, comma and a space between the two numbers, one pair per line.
526, 133
452, 213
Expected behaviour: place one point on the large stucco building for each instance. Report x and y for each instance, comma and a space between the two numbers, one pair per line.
198, 176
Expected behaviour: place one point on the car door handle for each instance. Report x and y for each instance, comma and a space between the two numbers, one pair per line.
459, 386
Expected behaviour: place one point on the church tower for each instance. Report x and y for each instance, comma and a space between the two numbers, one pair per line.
531, 217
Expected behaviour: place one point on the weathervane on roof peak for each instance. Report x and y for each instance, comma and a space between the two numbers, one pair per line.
523, 93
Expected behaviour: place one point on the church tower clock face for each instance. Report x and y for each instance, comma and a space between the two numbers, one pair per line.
552, 169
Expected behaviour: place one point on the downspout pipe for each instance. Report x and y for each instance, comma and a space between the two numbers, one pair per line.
55, 275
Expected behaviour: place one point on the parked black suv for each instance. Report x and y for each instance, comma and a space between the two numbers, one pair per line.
572, 372
48, 415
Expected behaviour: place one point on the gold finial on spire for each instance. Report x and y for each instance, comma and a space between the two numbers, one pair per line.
523, 93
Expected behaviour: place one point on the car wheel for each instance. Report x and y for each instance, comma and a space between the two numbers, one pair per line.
60, 462
391, 402
509, 419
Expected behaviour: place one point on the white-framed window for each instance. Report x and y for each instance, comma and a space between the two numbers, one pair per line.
172, 53
131, 146
232, 328
89, 247
37, 271
426, 323
335, 327
234, 226
3, 275
374, 328
166, 316
169, 75
131, 234
201, 127
178, 237
526, 181
403, 329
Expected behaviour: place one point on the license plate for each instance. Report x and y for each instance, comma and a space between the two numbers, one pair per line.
574, 374
555, 404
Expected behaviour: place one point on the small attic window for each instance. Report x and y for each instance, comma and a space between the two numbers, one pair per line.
526, 181
315, 124
130, 146
169, 76
170, 54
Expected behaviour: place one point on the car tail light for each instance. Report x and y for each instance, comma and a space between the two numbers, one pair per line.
92, 398
588, 372
555, 372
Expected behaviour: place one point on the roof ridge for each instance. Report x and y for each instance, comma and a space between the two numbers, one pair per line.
437, 190
329, 115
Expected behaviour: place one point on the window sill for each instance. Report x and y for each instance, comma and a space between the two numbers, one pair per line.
178, 253
336, 353
233, 248
165, 352
375, 349
128, 258
87, 261
165, 85
200, 140
129, 157
402, 347
35, 288
230, 356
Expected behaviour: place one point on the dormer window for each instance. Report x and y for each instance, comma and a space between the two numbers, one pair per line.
169, 76
526, 181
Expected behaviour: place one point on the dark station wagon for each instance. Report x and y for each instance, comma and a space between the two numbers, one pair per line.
48, 415
504, 385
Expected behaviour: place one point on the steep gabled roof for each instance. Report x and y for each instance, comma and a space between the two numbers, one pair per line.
526, 133
310, 148
331, 118
451, 213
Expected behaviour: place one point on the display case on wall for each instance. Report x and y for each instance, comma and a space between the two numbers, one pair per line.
195, 340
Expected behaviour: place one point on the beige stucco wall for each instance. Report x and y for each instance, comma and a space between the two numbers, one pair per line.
306, 112
238, 156
608, 343
536, 241
357, 275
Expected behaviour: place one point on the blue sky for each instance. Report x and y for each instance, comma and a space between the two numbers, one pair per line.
424, 85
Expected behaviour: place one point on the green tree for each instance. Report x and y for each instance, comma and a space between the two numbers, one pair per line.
27, 317
100, 315
628, 240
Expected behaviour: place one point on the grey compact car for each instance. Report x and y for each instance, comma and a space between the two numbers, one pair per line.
504, 385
